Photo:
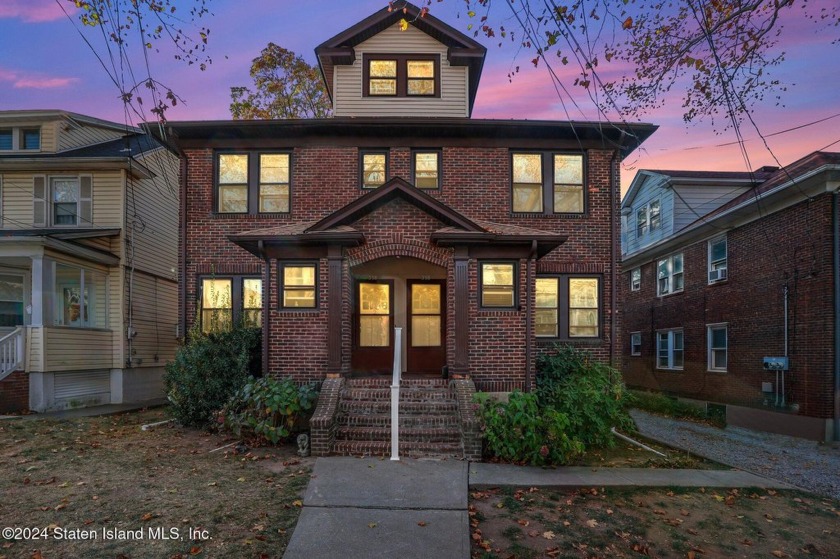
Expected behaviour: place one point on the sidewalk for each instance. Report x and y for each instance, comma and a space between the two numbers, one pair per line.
370, 508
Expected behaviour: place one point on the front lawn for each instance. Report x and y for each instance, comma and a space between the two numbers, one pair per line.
656, 522
156, 493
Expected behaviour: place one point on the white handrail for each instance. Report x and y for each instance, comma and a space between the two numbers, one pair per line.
395, 395
11, 352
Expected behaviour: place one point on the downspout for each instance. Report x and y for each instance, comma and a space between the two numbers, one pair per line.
529, 328
182, 260
613, 259
266, 295
835, 225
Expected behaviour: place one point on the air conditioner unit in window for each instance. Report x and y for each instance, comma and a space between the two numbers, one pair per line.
717, 275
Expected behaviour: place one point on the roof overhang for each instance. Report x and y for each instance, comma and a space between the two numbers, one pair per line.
28, 246
543, 243
58, 163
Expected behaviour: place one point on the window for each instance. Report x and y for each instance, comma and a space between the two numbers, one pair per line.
250, 183
20, 139
648, 218
401, 75
30, 138
717, 259
80, 298
567, 307
374, 167
65, 195
6, 136
670, 275
547, 183
716, 335
497, 285
426, 169
669, 349
298, 285
11, 300
635, 279
636, 343
226, 301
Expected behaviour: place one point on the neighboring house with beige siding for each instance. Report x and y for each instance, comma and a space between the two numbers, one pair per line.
88, 253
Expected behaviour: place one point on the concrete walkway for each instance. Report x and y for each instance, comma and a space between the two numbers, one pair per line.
371, 508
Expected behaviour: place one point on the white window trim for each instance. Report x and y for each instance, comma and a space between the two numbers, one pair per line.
722, 270
709, 360
671, 274
670, 333
632, 345
633, 285
647, 223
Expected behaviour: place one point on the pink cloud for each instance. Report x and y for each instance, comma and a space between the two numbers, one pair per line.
35, 11
20, 80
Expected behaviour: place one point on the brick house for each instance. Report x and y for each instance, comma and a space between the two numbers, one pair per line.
723, 269
484, 240
88, 254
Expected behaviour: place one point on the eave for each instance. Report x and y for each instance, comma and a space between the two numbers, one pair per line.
58, 163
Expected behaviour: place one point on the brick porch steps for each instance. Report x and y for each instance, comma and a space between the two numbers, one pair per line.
429, 419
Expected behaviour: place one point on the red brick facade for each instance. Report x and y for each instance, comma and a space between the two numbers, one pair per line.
14, 393
790, 248
476, 182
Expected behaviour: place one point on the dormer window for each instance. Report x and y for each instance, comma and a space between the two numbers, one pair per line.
18, 139
402, 75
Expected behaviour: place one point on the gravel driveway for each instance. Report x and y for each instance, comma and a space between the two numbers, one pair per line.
806, 464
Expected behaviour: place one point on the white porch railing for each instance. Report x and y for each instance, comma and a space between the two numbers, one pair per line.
395, 395
11, 352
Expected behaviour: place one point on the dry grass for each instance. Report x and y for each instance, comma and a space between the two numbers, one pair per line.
104, 473
678, 523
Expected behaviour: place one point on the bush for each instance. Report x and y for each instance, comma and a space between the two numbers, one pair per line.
265, 409
656, 402
591, 394
521, 431
208, 370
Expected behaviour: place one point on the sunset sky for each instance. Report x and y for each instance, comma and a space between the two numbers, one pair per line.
47, 65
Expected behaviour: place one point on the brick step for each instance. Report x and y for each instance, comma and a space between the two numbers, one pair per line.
406, 420
407, 449
385, 382
375, 407
406, 393
407, 434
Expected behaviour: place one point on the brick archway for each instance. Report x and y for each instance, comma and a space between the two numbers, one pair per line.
374, 251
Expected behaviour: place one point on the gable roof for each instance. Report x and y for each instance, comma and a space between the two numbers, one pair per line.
394, 188
678, 177
463, 51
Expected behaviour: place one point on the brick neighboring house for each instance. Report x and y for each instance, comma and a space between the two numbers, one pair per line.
484, 240
721, 270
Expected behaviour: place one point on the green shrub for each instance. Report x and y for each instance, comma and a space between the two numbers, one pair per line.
208, 370
656, 402
591, 394
265, 409
521, 431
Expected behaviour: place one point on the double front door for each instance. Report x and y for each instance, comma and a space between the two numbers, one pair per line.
418, 306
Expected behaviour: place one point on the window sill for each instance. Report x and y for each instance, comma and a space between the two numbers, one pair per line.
80, 328
635, 355
669, 369
718, 282
490, 311
717, 371
578, 341
278, 215
543, 215
671, 294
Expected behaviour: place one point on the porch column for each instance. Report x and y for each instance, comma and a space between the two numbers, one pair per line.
335, 292
462, 316
41, 300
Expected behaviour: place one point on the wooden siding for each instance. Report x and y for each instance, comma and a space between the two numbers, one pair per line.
76, 136
17, 198
155, 201
49, 131
154, 306
691, 202
74, 349
654, 188
35, 349
347, 94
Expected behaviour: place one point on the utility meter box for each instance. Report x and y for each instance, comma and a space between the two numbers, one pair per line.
775, 363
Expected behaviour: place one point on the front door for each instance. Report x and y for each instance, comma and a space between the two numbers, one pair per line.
426, 320
373, 340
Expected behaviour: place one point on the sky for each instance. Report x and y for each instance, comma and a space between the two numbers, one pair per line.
47, 65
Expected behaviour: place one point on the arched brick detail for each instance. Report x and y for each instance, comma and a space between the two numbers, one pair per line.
382, 249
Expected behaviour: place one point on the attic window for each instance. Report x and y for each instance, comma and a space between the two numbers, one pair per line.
402, 75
